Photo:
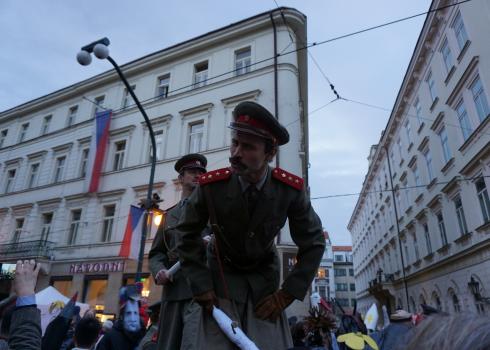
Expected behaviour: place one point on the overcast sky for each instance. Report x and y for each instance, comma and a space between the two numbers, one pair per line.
39, 41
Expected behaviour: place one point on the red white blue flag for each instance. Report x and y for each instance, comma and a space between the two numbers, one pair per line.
98, 148
132, 235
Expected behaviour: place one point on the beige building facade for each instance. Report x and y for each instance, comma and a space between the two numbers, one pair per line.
433, 164
189, 91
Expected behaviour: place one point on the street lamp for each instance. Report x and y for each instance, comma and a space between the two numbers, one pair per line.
100, 50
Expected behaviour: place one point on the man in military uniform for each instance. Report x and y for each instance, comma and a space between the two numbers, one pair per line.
163, 255
247, 205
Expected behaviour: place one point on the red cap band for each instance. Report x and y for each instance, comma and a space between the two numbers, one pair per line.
245, 119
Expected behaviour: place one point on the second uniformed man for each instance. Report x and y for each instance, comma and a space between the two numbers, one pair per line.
247, 205
163, 255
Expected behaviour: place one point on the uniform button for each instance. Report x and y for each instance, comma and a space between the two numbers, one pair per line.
251, 234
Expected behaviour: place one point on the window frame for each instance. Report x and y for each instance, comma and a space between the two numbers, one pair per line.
108, 223
247, 68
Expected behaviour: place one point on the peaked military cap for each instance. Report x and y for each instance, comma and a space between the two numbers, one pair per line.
191, 161
252, 118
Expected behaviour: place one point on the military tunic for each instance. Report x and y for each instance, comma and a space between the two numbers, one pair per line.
176, 295
246, 246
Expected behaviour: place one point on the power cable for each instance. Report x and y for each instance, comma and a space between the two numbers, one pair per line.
305, 47
397, 189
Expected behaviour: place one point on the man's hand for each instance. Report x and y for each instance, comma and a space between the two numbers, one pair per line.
271, 307
25, 277
163, 277
207, 300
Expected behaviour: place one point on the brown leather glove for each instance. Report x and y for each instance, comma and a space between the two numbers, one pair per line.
271, 307
207, 300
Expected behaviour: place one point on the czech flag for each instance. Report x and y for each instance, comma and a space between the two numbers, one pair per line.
98, 148
130, 247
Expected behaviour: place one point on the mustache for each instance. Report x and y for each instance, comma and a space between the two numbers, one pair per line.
237, 162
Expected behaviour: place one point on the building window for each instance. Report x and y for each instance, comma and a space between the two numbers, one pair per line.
339, 257
416, 176
99, 104
119, 150
72, 116
480, 99
46, 123
418, 110
23, 131
407, 256
341, 287
432, 86
482, 193
408, 131
446, 150
62, 284
33, 175
159, 145
322, 291
458, 205
19, 224
243, 58
442, 228
460, 31
109, 211
95, 291
59, 168
339, 272
464, 121
447, 56
84, 162
399, 145
9, 182
428, 162
163, 86
428, 243
3, 136
351, 272
47, 218
196, 137
416, 247
455, 300
76, 216
200, 74
352, 287
128, 99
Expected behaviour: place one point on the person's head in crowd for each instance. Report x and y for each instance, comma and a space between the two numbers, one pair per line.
255, 138
86, 332
298, 333
107, 326
465, 331
190, 167
129, 300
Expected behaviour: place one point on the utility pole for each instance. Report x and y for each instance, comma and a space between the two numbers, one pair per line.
397, 228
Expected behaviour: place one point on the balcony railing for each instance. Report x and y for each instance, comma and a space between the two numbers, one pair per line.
31, 249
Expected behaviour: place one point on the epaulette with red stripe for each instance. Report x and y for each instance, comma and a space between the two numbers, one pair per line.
288, 178
215, 176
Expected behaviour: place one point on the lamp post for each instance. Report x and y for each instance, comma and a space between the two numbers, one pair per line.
101, 51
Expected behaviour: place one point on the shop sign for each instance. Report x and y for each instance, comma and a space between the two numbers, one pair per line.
97, 267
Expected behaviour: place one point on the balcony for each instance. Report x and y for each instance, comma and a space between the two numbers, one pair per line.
24, 250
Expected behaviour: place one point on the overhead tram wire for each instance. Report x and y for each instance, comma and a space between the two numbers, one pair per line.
305, 47
398, 188
408, 114
329, 82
